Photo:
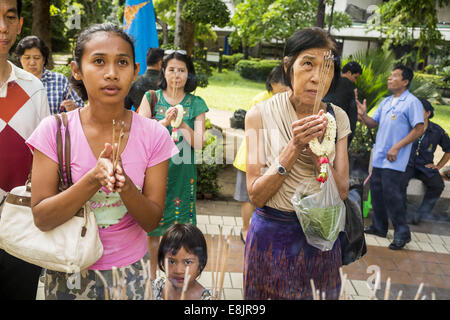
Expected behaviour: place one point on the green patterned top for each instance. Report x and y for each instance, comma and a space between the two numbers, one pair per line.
182, 176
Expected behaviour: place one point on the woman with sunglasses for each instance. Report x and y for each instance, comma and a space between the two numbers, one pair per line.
177, 81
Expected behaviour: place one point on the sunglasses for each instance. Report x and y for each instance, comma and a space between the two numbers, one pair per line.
167, 52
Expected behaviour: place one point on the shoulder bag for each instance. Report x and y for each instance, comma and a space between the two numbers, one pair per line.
71, 247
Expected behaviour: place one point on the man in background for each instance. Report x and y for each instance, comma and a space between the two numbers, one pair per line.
343, 95
421, 165
23, 104
399, 119
148, 81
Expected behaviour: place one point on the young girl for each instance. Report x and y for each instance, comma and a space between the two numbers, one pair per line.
127, 200
177, 81
183, 245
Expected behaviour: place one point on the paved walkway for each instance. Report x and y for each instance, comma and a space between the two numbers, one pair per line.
426, 258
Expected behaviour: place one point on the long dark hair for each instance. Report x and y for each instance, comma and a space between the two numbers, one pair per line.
191, 83
310, 38
84, 38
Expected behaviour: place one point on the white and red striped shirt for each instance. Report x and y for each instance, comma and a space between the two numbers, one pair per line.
23, 104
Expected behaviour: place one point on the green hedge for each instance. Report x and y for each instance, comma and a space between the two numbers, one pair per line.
256, 70
229, 62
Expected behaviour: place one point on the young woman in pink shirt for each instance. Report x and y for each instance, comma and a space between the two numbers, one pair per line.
128, 200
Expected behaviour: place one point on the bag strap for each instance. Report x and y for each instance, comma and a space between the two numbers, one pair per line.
330, 110
64, 184
67, 149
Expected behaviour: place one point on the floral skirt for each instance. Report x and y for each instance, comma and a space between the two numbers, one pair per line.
279, 263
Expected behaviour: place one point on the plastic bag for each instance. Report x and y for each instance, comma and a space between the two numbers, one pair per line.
321, 215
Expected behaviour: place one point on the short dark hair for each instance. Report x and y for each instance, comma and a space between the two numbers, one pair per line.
353, 67
191, 83
310, 38
19, 7
187, 236
31, 42
428, 107
275, 76
84, 38
407, 73
154, 55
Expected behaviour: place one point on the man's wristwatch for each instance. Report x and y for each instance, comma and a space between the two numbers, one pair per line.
280, 168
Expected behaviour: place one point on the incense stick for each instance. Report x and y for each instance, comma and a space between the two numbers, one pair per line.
187, 276
323, 77
68, 93
121, 135
166, 266
388, 287
222, 269
105, 284
218, 260
313, 288
419, 291
113, 140
213, 266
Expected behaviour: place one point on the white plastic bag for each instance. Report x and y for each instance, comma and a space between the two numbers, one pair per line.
321, 215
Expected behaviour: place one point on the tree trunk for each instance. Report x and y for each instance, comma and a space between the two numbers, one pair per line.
41, 25
331, 18
188, 38
165, 30
179, 25
320, 14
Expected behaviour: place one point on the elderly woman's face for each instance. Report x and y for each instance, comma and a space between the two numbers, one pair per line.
305, 75
32, 61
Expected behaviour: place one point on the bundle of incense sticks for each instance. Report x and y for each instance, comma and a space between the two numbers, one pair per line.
121, 135
118, 290
317, 295
324, 75
221, 260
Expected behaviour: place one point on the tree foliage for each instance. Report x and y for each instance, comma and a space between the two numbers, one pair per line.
211, 12
396, 20
257, 20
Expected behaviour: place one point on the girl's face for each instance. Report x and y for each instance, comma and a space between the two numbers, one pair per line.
176, 74
32, 61
305, 75
107, 68
177, 265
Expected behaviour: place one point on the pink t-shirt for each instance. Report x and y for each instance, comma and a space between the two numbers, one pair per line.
149, 144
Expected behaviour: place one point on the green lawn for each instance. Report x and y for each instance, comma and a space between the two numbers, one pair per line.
229, 91
442, 116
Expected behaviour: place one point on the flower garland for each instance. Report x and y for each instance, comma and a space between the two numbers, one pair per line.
324, 149
177, 122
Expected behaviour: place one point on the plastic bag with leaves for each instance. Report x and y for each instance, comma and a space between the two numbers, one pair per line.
321, 215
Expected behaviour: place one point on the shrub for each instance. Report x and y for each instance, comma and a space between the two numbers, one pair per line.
256, 70
229, 62
203, 71
65, 70
210, 164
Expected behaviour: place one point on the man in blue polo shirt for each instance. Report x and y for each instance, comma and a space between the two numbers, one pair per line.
399, 118
421, 162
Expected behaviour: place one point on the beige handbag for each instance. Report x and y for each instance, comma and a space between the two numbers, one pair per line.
71, 247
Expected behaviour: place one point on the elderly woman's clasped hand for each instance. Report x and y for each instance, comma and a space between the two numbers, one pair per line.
308, 128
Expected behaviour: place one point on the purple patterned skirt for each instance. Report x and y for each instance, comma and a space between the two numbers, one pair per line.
279, 263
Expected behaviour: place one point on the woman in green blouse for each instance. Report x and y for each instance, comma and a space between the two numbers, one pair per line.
177, 80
